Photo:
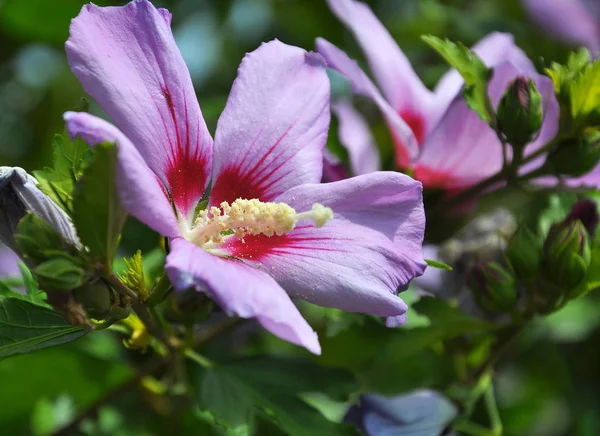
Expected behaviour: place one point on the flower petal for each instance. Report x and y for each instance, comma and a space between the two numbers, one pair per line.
19, 195
9, 263
407, 144
392, 70
140, 191
359, 259
126, 58
354, 134
569, 20
239, 289
272, 132
496, 48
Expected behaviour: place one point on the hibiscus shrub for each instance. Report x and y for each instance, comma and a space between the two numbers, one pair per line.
283, 277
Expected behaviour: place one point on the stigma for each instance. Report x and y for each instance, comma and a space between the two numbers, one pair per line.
251, 217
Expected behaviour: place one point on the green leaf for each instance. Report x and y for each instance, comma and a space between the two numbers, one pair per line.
37, 240
60, 273
577, 86
51, 373
437, 264
97, 213
232, 391
473, 71
26, 327
70, 159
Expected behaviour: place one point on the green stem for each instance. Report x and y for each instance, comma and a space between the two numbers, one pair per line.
159, 292
198, 358
470, 428
141, 311
492, 409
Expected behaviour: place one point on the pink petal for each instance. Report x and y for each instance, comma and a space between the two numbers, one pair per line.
569, 20
358, 260
496, 48
126, 58
392, 70
272, 132
240, 289
140, 191
406, 141
355, 135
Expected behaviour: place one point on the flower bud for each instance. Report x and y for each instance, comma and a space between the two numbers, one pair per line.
18, 196
576, 156
567, 254
586, 211
493, 287
95, 298
520, 113
524, 254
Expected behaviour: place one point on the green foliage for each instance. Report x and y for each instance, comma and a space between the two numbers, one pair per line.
473, 71
437, 264
577, 87
97, 213
26, 327
60, 274
37, 240
232, 391
70, 159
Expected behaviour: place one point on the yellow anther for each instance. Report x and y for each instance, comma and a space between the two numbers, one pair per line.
252, 217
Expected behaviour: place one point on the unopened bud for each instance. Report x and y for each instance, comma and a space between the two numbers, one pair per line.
95, 298
567, 254
576, 156
524, 253
520, 112
493, 287
586, 211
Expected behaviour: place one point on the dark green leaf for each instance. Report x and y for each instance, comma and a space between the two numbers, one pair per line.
232, 391
97, 213
26, 327
473, 71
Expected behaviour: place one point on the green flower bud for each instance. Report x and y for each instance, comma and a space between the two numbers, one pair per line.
576, 156
95, 298
567, 254
59, 274
524, 254
520, 113
494, 287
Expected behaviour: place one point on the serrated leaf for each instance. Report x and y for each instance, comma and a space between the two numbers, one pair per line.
231, 391
26, 327
585, 95
97, 212
474, 72
70, 159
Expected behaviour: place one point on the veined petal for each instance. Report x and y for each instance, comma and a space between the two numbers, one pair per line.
392, 70
496, 48
140, 191
272, 132
569, 20
406, 141
126, 58
354, 134
240, 289
359, 259
19, 195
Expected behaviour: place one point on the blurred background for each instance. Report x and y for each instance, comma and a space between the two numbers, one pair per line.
548, 386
